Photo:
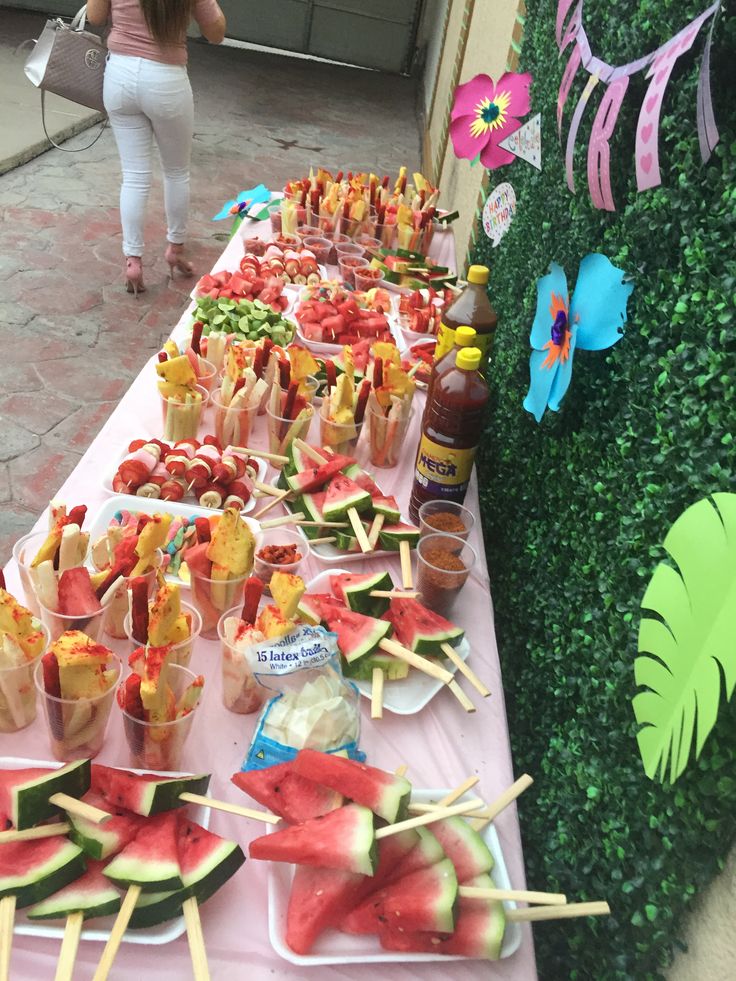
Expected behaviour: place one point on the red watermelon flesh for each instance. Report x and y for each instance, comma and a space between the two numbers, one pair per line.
464, 847
367, 482
341, 495
314, 479
144, 793
151, 860
205, 859
77, 598
386, 794
426, 852
343, 839
286, 793
196, 558
357, 635
420, 629
102, 841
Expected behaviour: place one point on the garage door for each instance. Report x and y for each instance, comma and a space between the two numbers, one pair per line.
372, 33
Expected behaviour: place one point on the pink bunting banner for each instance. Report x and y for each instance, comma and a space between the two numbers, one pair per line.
659, 64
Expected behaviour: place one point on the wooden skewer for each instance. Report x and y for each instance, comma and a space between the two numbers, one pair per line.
222, 805
309, 451
533, 914
516, 789
518, 895
461, 789
31, 834
416, 661
406, 577
323, 524
116, 933
354, 518
268, 489
377, 694
401, 771
285, 519
422, 819
7, 918
272, 504
464, 669
79, 808
391, 593
195, 937
69, 947
461, 696
430, 808
375, 529
327, 540
272, 457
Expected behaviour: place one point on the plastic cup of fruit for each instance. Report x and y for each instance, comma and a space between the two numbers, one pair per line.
264, 568
24, 551
319, 247
117, 606
211, 597
288, 241
444, 563
58, 623
18, 692
348, 264
446, 518
304, 231
367, 279
339, 437
426, 236
386, 438
241, 693
349, 248
181, 419
207, 374
282, 432
181, 653
77, 725
232, 423
275, 219
385, 234
255, 246
368, 241
323, 224
308, 388
160, 745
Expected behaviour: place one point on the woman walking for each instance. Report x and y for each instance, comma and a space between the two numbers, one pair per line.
147, 95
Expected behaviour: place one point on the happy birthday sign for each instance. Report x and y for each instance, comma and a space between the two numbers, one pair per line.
498, 212
660, 64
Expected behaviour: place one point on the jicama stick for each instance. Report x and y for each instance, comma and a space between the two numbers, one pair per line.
271, 457
116, 933
472, 677
268, 489
228, 808
570, 912
197, 950
377, 694
407, 580
33, 834
515, 895
354, 517
69, 947
7, 919
417, 822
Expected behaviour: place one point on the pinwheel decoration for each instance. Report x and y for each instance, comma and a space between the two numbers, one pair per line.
591, 320
245, 200
485, 113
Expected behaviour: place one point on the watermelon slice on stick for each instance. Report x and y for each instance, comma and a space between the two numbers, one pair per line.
386, 794
285, 792
30, 795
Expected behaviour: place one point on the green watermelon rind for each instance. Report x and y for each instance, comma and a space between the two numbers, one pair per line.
394, 669
30, 801
388, 800
151, 876
496, 929
391, 514
34, 885
455, 834
358, 597
432, 646
95, 840
359, 501
390, 538
91, 903
442, 894
156, 796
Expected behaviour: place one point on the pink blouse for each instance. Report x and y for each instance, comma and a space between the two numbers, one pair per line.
130, 36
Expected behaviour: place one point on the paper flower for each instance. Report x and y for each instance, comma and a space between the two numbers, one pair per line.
591, 320
246, 199
483, 114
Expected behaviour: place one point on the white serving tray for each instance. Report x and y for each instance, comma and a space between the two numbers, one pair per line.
406, 696
164, 933
124, 502
334, 947
134, 499
330, 350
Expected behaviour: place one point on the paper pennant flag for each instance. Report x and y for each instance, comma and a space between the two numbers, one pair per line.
526, 142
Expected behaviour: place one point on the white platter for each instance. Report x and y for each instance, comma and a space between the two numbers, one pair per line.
406, 696
124, 502
164, 933
334, 947
134, 499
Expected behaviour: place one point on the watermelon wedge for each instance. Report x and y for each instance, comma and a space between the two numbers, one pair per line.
342, 839
77, 597
310, 606
386, 794
91, 894
286, 793
24, 794
394, 669
357, 635
464, 847
354, 591
427, 851
341, 495
390, 537
144, 793
388, 507
101, 841
33, 870
151, 859
314, 478
420, 629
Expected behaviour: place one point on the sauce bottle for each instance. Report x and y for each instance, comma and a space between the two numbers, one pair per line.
473, 308
464, 337
451, 430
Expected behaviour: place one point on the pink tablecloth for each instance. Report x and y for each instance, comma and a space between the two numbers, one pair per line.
442, 746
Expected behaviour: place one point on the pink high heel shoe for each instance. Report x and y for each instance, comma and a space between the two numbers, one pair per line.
134, 275
176, 263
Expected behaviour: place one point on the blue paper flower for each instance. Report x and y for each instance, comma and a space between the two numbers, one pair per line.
246, 199
591, 320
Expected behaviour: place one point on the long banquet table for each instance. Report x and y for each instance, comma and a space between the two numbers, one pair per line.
442, 745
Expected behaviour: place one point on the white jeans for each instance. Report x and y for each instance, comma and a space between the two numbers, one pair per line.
143, 99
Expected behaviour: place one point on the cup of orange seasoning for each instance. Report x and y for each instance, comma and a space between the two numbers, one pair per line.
444, 563
446, 517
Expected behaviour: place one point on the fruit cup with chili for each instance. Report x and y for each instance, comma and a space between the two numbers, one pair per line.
279, 550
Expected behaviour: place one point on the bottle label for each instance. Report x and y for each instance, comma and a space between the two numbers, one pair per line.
442, 471
446, 341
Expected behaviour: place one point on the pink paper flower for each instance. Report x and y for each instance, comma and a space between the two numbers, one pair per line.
483, 114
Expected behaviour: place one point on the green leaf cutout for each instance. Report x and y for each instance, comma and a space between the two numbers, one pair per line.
687, 637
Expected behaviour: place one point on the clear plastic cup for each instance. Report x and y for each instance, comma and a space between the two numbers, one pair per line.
348, 265
385, 234
160, 745
457, 519
77, 725
349, 248
57, 623
18, 691
368, 279
386, 437
308, 388
304, 231
273, 538
319, 247
254, 246
368, 242
444, 563
181, 419
275, 219
117, 605
339, 239
282, 432
241, 693
323, 224
233, 423
211, 597
340, 437
181, 653
24, 551
207, 374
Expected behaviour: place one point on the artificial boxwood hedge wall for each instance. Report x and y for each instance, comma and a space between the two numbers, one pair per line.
574, 508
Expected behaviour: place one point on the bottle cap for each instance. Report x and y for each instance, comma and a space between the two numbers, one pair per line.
478, 275
468, 358
465, 336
